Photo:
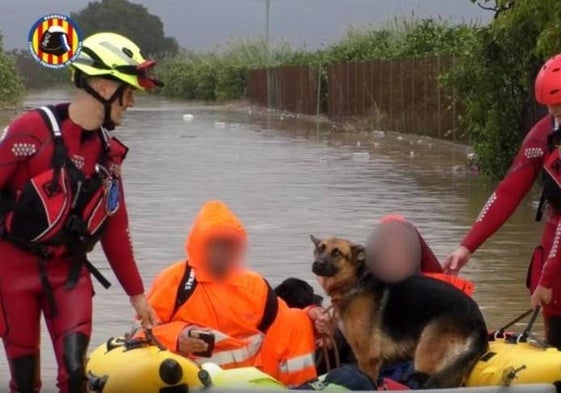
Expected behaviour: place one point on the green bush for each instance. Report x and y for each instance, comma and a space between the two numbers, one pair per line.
220, 75
11, 87
223, 74
402, 39
495, 82
36, 76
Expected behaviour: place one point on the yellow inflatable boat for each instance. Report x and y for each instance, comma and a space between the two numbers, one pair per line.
136, 366
509, 362
132, 366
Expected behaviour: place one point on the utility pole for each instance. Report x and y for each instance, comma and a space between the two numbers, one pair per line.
267, 20
268, 51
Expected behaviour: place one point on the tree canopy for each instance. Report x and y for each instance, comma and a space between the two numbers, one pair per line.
495, 82
130, 19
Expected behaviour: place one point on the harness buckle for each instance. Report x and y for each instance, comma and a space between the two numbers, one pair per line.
77, 225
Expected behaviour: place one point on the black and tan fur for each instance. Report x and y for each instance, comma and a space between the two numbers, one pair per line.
420, 318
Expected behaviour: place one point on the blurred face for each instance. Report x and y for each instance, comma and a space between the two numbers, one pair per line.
555, 111
394, 252
224, 255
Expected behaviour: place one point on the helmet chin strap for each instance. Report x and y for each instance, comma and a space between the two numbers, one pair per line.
108, 123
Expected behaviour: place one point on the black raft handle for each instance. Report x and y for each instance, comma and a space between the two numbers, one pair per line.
500, 332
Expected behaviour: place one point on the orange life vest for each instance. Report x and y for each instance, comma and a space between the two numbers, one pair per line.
462, 284
251, 326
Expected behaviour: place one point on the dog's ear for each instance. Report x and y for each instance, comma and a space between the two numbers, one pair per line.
315, 240
359, 254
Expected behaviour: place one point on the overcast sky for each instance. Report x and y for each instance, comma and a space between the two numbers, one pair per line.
203, 24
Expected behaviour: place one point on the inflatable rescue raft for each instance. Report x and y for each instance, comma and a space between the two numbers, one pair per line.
513, 362
136, 366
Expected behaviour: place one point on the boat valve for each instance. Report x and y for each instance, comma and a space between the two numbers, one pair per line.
205, 378
510, 374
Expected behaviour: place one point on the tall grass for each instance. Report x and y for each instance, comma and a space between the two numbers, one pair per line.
222, 74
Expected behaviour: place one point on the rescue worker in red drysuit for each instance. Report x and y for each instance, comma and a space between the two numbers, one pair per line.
61, 192
538, 157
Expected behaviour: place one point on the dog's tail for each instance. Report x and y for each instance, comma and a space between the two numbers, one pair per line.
455, 373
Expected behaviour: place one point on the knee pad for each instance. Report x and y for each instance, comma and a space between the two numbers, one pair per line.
75, 346
24, 373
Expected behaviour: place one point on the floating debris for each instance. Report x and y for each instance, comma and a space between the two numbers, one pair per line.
361, 156
399, 138
188, 117
378, 133
219, 124
411, 154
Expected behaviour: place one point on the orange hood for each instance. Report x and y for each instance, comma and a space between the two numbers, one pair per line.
215, 219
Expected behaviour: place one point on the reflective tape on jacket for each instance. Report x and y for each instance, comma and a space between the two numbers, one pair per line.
297, 364
238, 355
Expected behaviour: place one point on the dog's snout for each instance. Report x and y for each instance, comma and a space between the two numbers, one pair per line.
319, 264
322, 267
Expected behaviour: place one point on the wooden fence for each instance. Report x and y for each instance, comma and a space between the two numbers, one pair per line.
293, 89
402, 95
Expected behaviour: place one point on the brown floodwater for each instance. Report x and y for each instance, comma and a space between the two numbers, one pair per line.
287, 178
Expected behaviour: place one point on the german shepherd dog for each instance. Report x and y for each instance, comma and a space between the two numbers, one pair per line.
421, 319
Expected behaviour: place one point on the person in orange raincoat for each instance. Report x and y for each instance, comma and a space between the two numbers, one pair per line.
212, 292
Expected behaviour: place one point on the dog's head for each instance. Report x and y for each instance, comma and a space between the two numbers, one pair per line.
297, 293
338, 262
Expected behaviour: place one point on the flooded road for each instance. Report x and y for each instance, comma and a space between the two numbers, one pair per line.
287, 178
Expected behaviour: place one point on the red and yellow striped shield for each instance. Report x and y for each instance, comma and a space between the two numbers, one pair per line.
55, 40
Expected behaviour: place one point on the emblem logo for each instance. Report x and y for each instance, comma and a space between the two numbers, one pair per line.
55, 41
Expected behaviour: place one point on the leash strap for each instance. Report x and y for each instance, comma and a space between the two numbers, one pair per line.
500, 332
151, 338
327, 339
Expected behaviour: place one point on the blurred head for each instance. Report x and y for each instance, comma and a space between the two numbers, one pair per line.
216, 244
393, 251
224, 255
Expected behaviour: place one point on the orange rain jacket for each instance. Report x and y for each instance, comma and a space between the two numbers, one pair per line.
252, 327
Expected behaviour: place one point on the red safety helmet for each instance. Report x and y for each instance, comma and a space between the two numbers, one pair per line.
548, 82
